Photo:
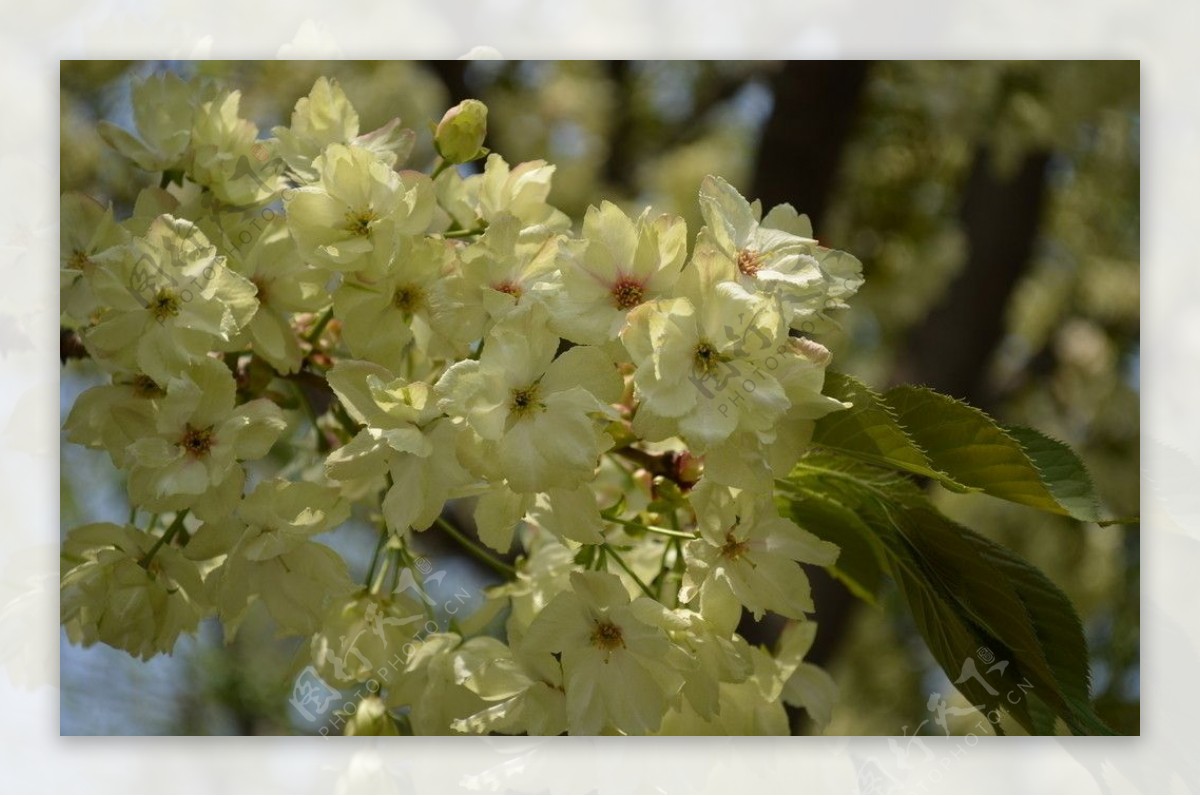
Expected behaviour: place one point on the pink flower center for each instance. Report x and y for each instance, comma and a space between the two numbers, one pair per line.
511, 288
749, 261
628, 293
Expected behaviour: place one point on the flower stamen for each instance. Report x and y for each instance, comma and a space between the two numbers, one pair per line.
525, 400
79, 261
165, 304
734, 548
749, 262
509, 287
359, 222
408, 298
197, 441
706, 357
627, 293
607, 636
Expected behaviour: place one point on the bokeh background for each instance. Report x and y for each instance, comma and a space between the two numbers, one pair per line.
995, 207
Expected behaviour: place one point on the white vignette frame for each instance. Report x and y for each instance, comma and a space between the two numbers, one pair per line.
36, 759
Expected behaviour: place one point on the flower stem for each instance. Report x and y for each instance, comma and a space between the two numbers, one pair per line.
343, 417
462, 233
652, 528
322, 322
170, 533
475, 551
383, 537
645, 589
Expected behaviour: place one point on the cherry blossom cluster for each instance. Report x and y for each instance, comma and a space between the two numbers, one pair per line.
298, 326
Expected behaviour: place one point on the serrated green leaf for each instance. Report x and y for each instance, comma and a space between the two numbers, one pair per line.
1014, 603
1062, 472
869, 431
953, 639
919, 431
1061, 634
1043, 717
966, 593
972, 449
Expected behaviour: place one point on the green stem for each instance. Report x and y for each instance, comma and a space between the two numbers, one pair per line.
478, 553
175, 528
813, 468
664, 570
397, 567
383, 535
322, 322
620, 464
645, 589
381, 575
462, 233
406, 560
652, 528
441, 166
343, 417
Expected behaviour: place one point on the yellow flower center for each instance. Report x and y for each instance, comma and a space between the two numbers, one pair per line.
706, 357
79, 260
628, 293
197, 441
607, 636
749, 261
734, 548
145, 387
408, 298
359, 222
525, 400
165, 304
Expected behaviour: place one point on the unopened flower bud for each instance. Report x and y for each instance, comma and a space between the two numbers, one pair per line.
370, 717
812, 351
688, 468
459, 136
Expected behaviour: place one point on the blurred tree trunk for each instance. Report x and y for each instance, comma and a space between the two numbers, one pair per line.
453, 75
816, 103
1001, 213
618, 165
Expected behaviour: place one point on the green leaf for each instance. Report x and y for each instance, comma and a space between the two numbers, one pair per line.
976, 603
971, 448
858, 564
869, 431
918, 431
1062, 472
1017, 605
